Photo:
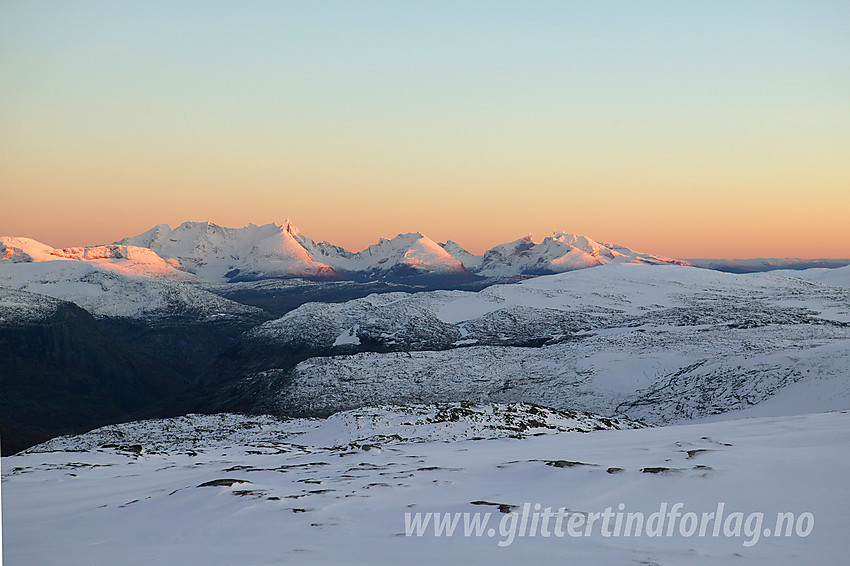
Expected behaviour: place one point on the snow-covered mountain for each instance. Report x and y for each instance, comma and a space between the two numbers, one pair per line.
223, 254
646, 342
217, 253
405, 256
112, 281
20, 250
126, 259
559, 253
471, 261
254, 252
109, 292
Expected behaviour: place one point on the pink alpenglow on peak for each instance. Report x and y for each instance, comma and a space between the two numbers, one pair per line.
24, 250
128, 260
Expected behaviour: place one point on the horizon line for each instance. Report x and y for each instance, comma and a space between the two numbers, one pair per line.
286, 223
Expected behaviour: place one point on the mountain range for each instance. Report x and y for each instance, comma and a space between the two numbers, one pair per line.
265, 319
207, 252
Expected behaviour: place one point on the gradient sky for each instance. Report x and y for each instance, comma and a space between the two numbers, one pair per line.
691, 129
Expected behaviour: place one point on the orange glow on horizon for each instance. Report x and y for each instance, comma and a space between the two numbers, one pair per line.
701, 132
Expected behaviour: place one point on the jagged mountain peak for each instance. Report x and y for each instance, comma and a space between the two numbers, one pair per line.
287, 226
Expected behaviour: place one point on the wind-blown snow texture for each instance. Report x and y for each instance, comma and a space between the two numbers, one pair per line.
839, 276
225, 489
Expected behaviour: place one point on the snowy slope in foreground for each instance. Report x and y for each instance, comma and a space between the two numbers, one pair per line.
257, 501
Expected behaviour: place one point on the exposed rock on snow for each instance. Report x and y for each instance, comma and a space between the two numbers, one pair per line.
136, 497
389, 424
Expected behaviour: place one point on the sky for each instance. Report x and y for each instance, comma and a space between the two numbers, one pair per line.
690, 129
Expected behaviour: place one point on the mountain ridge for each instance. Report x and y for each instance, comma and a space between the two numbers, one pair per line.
205, 252
210, 252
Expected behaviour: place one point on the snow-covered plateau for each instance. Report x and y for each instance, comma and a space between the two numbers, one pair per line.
655, 343
228, 489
